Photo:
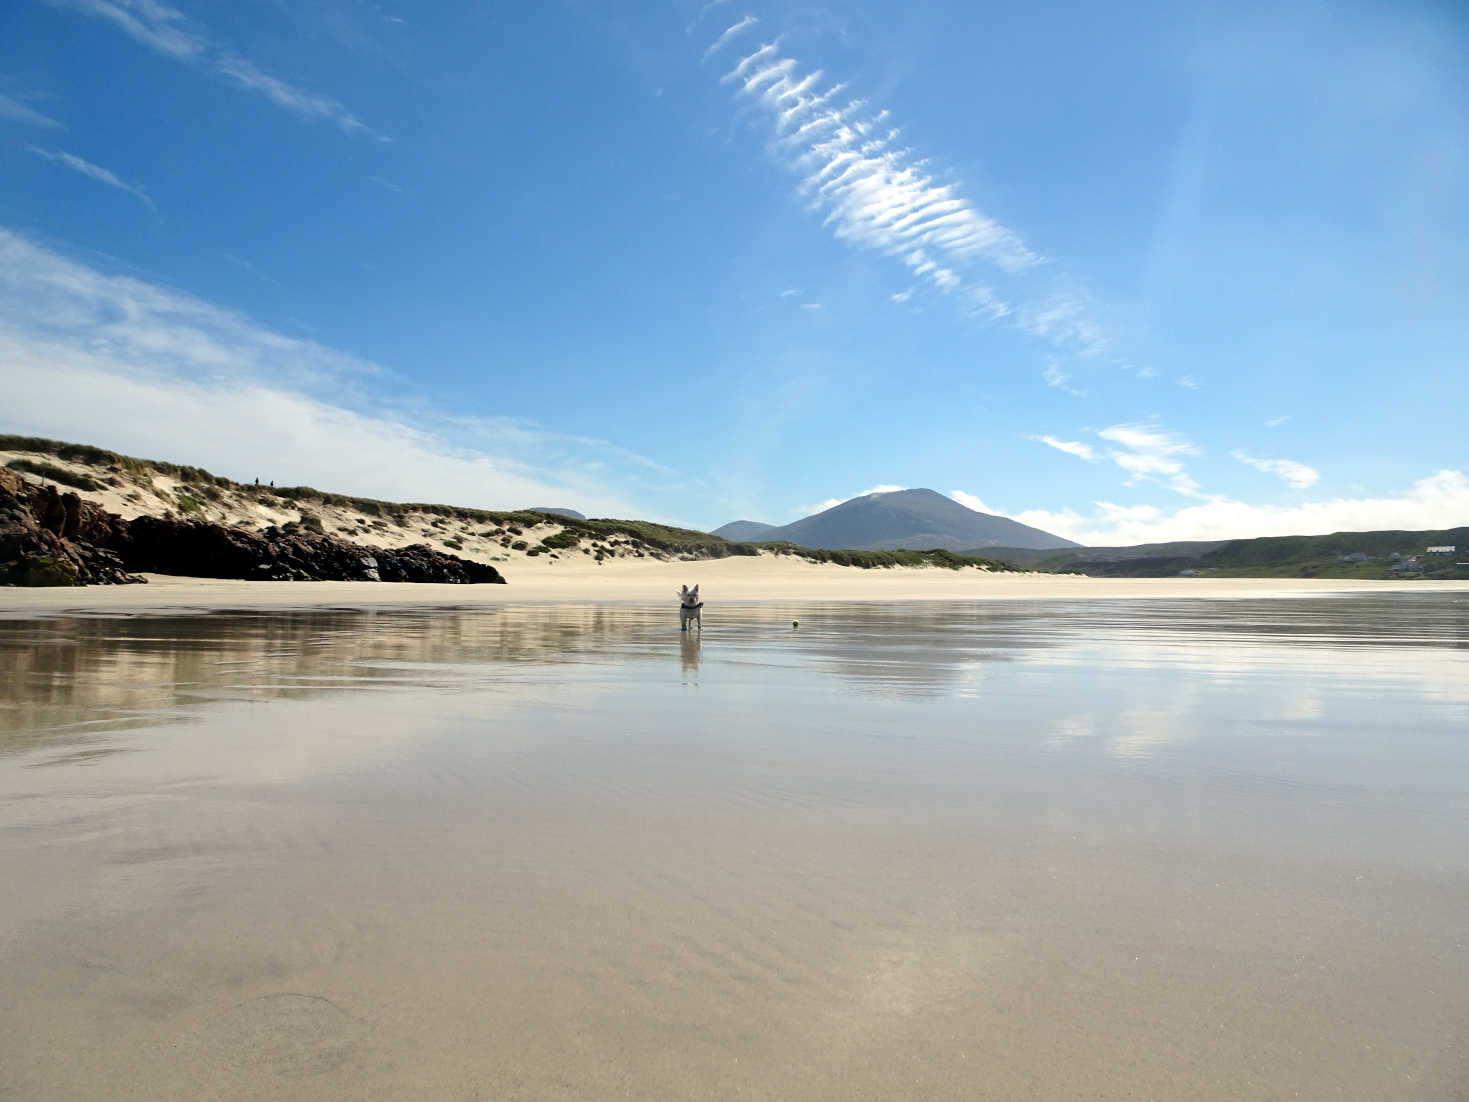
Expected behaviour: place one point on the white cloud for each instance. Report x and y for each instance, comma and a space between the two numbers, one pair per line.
811, 306
1057, 378
1276, 422
871, 192
1188, 382
1440, 500
832, 502
983, 302
901, 297
153, 372
95, 172
1147, 452
820, 507
1296, 475
1070, 447
308, 105
1066, 320
147, 22
705, 10
791, 292
969, 501
730, 33
15, 111
1148, 439
164, 30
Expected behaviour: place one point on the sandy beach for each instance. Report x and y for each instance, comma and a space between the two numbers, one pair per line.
742, 580
1054, 849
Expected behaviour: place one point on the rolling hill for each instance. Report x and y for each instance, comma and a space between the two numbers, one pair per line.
1381, 554
903, 519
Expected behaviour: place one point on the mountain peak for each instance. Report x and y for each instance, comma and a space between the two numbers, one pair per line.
917, 519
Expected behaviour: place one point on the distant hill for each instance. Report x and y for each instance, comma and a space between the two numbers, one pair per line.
1383, 554
743, 531
902, 519
556, 511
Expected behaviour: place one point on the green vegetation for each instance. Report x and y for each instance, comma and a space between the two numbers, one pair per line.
870, 560
637, 537
55, 474
1378, 555
311, 521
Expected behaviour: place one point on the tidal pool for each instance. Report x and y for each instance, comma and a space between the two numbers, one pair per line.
1168, 849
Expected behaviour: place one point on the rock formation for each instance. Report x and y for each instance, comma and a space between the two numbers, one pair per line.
53, 538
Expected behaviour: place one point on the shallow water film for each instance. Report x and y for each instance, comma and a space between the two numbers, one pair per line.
1049, 850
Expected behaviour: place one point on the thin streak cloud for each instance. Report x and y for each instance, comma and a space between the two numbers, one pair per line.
13, 110
730, 33
1298, 476
95, 172
308, 105
1070, 447
164, 30
147, 22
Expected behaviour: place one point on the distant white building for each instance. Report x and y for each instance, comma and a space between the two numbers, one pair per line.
1449, 550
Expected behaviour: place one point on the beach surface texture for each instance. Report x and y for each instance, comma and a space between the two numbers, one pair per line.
768, 577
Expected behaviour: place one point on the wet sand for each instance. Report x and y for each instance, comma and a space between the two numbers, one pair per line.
651, 582
1104, 849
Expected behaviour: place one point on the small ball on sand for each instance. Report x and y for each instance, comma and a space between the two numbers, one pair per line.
795, 623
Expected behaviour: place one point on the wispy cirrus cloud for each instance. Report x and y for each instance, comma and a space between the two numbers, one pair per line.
14, 110
875, 193
1058, 379
1070, 447
166, 31
95, 172
308, 105
152, 371
731, 32
1067, 321
869, 190
1148, 452
146, 22
1296, 475
703, 11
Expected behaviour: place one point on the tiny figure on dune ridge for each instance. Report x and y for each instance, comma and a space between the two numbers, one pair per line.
689, 607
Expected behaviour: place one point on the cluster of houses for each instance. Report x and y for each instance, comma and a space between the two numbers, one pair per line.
1406, 564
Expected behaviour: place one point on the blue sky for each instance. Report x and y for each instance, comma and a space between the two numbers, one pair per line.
1149, 271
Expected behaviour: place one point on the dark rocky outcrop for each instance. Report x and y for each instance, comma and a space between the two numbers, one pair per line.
52, 538
200, 549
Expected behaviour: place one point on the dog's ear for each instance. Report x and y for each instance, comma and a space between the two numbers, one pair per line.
695, 589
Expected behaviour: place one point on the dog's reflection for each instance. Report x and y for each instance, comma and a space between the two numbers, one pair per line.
689, 645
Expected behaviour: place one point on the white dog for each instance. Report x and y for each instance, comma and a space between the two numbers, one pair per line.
689, 607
